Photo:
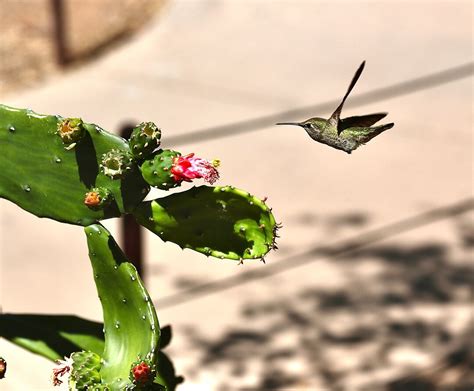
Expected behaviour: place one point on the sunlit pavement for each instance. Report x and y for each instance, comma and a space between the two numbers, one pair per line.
345, 318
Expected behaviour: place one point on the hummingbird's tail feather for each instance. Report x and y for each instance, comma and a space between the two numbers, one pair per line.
334, 119
375, 131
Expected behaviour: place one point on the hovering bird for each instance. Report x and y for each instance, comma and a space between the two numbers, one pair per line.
348, 133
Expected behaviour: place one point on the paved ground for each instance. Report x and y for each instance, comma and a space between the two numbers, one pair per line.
28, 50
334, 319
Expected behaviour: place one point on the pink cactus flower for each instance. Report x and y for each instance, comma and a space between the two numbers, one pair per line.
186, 168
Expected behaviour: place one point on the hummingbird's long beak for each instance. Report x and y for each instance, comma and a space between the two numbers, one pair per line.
289, 123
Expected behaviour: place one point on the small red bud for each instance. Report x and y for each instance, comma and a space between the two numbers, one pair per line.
142, 373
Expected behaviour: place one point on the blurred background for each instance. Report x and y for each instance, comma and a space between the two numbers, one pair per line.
371, 288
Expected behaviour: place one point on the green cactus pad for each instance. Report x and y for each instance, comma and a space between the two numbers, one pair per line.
131, 328
157, 171
145, 138
52, 336
44, 178
220, 221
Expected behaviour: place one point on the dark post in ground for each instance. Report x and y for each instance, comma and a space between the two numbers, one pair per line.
131, 232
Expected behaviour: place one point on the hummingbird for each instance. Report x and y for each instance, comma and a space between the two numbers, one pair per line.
345, 134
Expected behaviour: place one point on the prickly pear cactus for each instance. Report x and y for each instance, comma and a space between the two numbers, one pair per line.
50, 163
75, 172
131, 327
220, 221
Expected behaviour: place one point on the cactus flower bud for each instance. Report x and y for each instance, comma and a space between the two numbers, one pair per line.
142, 373
62, 371
186, 168
71, 130
144, 140
115, 163
97, 198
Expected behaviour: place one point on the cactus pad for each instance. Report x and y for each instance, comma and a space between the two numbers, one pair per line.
44, 178
220, 221
131, 328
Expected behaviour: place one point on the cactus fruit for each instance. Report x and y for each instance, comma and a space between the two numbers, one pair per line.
220, 221
40, 176
157, 171
144, 140
131, 329
71, 131
116, 163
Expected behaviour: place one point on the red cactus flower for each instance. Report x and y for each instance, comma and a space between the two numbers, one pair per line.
142, 373
186, 168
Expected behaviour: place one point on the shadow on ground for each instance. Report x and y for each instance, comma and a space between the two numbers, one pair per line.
401, 323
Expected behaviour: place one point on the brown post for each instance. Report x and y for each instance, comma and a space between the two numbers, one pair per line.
131, 232
60, 32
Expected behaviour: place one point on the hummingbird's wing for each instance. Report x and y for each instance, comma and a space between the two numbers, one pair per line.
334, 119
360, 121
365, 134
